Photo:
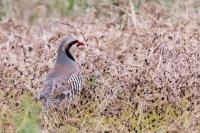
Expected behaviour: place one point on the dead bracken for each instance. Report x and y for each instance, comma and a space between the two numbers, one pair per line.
141, 74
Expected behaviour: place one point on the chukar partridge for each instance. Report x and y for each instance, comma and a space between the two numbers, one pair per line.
65, 80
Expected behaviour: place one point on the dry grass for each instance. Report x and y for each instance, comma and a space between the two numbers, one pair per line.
141, 70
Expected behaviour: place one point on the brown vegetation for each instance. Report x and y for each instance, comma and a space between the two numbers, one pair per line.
141, 69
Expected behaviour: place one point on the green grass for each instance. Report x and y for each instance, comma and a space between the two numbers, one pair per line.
21, 114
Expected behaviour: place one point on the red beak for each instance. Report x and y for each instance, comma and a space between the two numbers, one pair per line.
80, 43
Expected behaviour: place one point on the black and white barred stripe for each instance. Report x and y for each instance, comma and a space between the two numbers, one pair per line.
75, 82
59, 88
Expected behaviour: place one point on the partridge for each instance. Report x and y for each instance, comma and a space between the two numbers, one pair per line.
65, 80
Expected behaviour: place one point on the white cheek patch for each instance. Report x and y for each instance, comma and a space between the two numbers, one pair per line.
73, 49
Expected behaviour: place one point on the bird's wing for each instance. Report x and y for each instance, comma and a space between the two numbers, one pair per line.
67, 86
62, 87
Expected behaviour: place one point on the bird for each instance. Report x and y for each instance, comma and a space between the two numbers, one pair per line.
65, 79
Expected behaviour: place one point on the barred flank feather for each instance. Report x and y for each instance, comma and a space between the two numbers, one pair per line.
58, 89
75, 83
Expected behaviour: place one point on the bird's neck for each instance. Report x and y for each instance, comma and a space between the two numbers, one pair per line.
64, 61
64, 53
69, 55
65, 58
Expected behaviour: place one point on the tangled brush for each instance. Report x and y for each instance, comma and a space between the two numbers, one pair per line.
141, 77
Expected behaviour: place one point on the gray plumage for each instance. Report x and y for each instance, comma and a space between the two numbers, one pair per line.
65, 80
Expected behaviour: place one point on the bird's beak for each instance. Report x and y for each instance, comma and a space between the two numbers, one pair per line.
80, 43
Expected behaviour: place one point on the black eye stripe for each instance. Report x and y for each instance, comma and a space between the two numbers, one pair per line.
73, 42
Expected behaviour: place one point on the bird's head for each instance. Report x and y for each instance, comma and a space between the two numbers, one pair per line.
69, 46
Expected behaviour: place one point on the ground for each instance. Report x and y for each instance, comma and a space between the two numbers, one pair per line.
140, 67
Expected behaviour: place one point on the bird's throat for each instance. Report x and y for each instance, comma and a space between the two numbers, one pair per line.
69, 54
